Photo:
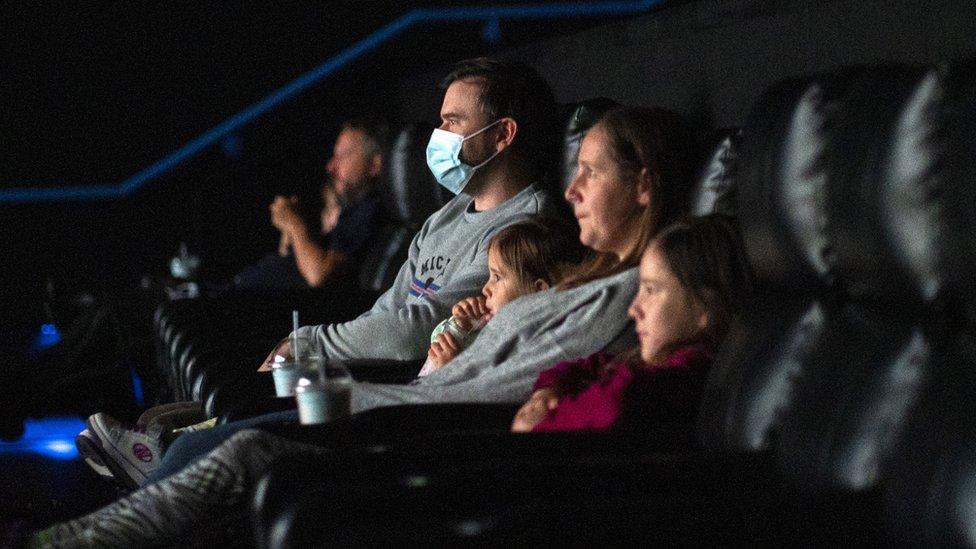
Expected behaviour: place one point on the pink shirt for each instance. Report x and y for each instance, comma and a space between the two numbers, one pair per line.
596, 390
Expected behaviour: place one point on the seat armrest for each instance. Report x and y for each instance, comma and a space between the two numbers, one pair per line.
234, 393
398, 423
560, 496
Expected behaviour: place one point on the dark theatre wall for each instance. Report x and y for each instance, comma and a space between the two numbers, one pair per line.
710, 60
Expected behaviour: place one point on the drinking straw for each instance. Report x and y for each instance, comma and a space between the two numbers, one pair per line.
294, 335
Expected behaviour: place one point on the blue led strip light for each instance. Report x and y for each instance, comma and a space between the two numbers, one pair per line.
307, 80
52, 437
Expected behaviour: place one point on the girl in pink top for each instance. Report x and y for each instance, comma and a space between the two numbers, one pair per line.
693, 278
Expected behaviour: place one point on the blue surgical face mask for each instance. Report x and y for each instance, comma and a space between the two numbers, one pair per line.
444, 158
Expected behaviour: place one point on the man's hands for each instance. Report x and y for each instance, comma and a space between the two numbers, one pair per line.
284, 244
285, 215
443, 349
470, 310
283, 349
330, 216
535, 410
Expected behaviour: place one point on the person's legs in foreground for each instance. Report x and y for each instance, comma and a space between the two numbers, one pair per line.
211, 489
191, 446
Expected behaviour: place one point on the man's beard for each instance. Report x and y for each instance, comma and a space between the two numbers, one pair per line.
352, 193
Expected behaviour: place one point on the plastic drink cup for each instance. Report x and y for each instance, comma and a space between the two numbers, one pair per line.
325, 395
286, 376
286, 370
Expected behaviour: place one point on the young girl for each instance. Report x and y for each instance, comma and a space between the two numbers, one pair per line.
523, 258
693, 279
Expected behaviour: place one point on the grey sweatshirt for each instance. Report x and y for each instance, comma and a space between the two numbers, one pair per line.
527, 336
447, 262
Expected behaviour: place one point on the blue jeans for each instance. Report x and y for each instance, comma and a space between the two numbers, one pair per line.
189, 447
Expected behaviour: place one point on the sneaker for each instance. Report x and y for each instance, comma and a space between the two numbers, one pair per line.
131, 454
86, 444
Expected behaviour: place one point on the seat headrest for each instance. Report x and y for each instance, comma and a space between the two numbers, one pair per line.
581, 117
780, 183
413, 192
959, 191
882, 190
714, 190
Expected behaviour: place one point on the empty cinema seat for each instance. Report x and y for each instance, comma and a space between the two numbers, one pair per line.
930, 473
839, 411
715, 190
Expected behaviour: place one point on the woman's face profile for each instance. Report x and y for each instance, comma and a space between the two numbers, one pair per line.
606, 202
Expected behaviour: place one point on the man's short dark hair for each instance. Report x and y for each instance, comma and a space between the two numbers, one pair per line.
513, 89
376, 133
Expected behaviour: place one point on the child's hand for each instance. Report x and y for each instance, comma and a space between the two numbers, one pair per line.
469, 310
443, 349
535, 410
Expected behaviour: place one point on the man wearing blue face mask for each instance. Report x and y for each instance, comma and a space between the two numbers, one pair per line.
444, 158
496, 139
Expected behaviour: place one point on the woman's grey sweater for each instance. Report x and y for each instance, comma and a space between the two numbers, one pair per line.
529, 335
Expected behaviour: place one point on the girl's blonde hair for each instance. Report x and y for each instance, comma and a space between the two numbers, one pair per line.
538, 249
